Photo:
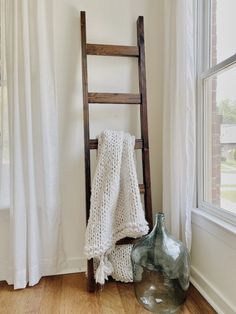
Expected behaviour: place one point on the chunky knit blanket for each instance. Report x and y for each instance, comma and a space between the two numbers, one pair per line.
116, 210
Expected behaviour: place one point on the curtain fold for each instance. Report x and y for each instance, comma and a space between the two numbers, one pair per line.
4, 131
179, 118
35, 217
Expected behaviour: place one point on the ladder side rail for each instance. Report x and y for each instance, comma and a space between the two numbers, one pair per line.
90, 271
144, 122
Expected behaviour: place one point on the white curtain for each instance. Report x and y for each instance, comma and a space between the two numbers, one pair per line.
35, 224
179, 118
4, 131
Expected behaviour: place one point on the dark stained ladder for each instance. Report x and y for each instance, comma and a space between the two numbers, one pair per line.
116, 98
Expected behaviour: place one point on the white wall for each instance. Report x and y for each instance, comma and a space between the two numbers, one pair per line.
214, 262
114, 22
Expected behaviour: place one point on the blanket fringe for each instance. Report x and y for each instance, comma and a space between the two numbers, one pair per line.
104, 270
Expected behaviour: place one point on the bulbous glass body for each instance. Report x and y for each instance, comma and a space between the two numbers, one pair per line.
161, 270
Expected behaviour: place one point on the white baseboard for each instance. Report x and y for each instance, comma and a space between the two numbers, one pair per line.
69, 266
210, 293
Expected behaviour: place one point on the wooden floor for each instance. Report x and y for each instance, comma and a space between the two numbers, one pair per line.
67, 294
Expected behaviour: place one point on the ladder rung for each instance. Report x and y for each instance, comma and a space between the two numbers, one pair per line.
112, 50
93, 144
126, 241
142, 188
113, 98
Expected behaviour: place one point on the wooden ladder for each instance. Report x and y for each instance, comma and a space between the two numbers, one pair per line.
116, 98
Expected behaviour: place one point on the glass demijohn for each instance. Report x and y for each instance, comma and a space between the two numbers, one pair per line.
161, 270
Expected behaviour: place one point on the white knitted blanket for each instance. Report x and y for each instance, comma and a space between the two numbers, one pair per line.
116, 210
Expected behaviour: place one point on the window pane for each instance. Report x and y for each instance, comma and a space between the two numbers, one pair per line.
223, 25
220, 140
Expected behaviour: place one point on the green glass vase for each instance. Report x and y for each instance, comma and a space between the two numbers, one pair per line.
161, 270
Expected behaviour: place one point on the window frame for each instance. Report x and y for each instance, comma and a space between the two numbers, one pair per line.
205, 71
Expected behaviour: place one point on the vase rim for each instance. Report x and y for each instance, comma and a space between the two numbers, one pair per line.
160, 214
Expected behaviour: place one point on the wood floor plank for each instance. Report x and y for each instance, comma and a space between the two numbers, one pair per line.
20, 301
51, 296
195, 303
184, 309
75, 299
130, 303
110, 299
67, 294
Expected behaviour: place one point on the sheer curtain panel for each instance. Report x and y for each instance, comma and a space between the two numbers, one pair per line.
4, 130
35, 216
179, 118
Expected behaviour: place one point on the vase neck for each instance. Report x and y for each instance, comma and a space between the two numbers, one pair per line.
159, 227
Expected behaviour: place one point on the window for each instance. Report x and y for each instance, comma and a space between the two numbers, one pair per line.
217, 107
4, 134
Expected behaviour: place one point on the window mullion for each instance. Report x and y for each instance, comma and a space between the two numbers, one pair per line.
218, 68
